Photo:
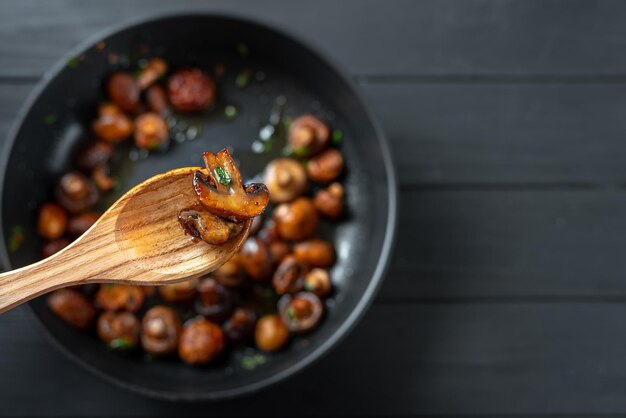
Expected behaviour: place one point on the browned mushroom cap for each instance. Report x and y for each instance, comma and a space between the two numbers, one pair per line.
308, 135
79, 224
200, 342
223, 193
160, 331
102, 178
191, 90
52, 221
329, 201
326, 166
76, 193
124, 91
112, 125
270, 333
215, 302
297, 220
256, 259
179, 292
240, 326
315, 253
151, 131
72, 307
231, 273
98, 152
157, 100
118, 330
285, 179
154, 69
301, 312
210, 228
53, 247
289, 276
279, 249
318, 281
117, 297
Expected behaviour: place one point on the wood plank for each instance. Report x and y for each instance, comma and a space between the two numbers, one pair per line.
437, 358
465, 134
547, 244
504, 133
401, 37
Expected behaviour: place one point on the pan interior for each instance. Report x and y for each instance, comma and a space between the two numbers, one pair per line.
57, 124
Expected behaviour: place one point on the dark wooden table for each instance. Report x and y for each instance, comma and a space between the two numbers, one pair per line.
507, 290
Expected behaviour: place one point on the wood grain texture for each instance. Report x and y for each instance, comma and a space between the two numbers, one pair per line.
434, 37
138, 240
543, 244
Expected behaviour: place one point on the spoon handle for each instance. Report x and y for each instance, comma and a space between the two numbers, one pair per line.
80, 262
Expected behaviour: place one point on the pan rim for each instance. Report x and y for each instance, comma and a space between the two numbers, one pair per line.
375, 280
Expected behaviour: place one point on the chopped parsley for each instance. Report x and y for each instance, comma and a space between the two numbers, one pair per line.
243, 78
290, 314
252, 362
50, 119
337, 137
301, 151
72, 62
120, 344
223, 176
231, 111
242, 49
16, 239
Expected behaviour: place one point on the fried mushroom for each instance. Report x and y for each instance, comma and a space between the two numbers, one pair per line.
222, 193
308, 135
76, 193
285, 179
191, 90
301, 312
119, 330
296, 221
329, 201
72, 307
201, 342
160, 331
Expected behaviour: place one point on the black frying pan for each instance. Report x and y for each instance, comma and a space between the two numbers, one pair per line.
55, 123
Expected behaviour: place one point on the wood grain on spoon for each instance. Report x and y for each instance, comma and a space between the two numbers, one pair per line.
137, 241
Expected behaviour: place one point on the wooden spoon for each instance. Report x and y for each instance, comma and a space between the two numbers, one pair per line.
137, 241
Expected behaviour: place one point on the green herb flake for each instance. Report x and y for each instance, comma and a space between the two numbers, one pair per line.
290, 315
120, 344
50, 119
309, 287
286, 152
223, 176
242, 49
301, 151
231, 111
16, 239
287, 123
337, 137
252, 362
243, 78
72, 62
